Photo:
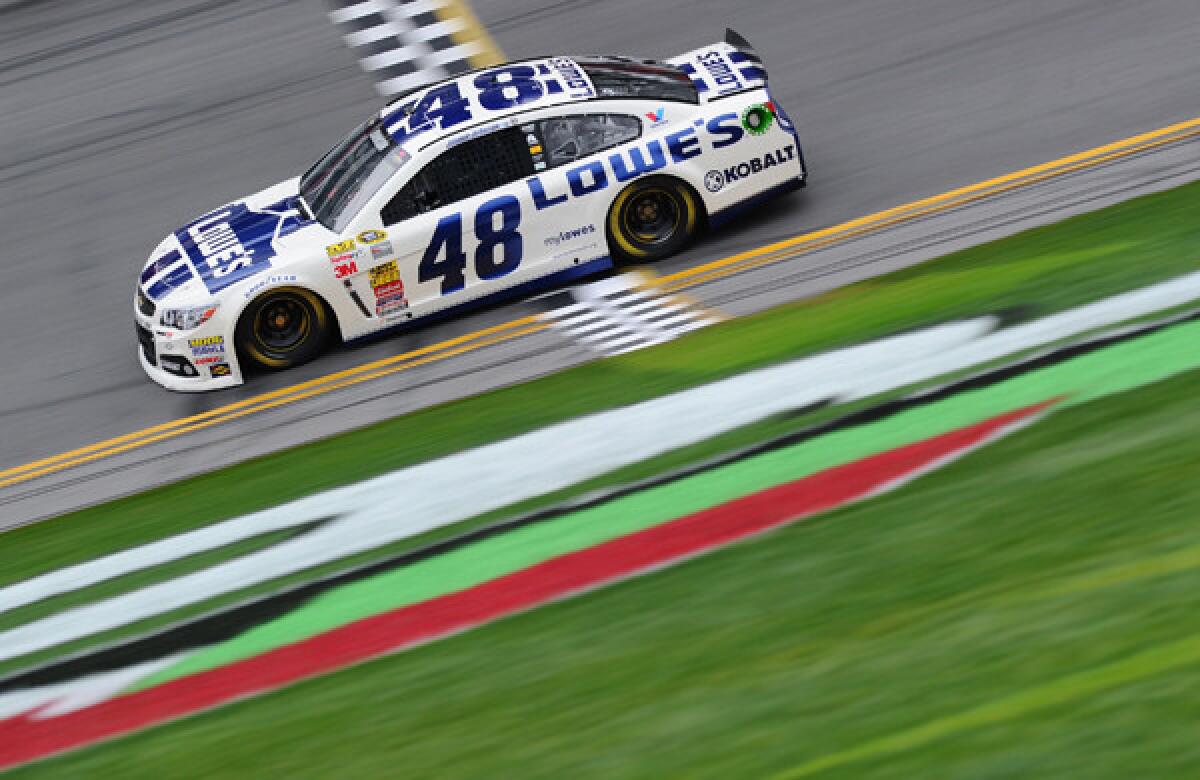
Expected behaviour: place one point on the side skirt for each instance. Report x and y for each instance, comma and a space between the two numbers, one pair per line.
593, 266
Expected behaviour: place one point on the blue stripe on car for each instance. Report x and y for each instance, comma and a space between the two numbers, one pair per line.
156, 267
177, 277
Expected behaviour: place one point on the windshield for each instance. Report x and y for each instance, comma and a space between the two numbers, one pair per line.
341, 182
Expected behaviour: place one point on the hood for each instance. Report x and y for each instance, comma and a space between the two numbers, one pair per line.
225, 246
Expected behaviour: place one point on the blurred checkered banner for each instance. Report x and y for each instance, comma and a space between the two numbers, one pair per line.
622, 314
404, 44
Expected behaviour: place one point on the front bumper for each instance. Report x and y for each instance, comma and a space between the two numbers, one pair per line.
192, 362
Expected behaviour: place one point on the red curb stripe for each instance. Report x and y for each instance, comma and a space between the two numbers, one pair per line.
26, 738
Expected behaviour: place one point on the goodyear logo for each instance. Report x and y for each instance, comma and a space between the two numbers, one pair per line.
370, 237
207, 341
339, 248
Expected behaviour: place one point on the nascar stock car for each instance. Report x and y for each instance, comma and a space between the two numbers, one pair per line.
491, 184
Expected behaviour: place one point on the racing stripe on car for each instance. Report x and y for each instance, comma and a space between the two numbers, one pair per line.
623, 314
404, 44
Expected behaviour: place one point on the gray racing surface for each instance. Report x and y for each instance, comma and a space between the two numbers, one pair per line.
121, 119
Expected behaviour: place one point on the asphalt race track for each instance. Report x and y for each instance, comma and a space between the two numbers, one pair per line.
121, 119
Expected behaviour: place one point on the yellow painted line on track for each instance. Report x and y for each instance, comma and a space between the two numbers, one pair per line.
716, 269
470, 32
456, 346
191, 424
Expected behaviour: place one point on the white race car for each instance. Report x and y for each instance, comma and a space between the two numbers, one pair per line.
489, 185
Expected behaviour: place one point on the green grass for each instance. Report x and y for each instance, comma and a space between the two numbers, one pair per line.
1027, 611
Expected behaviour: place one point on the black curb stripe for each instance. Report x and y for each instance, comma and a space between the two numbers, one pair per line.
381, 46
396, 69
360, 23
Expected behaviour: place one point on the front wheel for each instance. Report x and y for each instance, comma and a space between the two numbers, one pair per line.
653, 218
283, 328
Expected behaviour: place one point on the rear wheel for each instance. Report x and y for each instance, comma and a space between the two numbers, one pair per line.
653, 218
283, 328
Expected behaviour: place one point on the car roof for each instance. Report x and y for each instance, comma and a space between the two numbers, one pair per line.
561, 80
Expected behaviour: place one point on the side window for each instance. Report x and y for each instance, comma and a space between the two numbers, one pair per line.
461, 171
562, 140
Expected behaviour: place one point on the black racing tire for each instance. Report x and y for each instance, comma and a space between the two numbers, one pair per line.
284, 327
653, 218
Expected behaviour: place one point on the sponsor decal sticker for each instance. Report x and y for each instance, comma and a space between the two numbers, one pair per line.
219, 370
757, 119
209, 349
388, 289
382, 250
721, 71
273, 279
372, 236
230, 244
755, 165
564, 236
657, 117
390, 305
578, 84
384, 274
333, 250
346, 263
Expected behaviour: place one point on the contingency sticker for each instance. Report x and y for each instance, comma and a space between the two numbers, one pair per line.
333, 250
388, 289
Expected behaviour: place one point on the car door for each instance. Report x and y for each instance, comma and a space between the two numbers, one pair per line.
576, 179
456, 225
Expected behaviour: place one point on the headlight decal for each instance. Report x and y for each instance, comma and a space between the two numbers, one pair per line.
189, 318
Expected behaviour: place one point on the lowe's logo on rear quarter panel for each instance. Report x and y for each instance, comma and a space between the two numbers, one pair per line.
230, 244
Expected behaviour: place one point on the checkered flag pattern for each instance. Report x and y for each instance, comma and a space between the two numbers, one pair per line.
404, 44
623, 314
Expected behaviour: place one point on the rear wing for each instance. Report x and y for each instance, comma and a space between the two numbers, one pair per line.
723, 68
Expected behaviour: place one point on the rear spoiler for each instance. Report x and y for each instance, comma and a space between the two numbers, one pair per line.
723, 68
734, 39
